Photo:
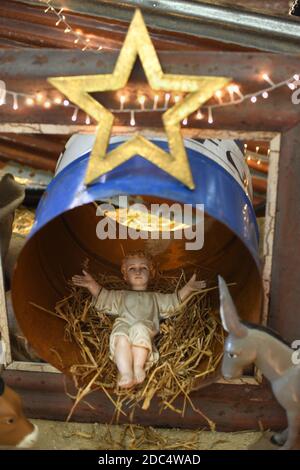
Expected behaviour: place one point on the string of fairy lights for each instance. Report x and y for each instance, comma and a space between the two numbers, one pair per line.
80, 40
256, 156
229, 96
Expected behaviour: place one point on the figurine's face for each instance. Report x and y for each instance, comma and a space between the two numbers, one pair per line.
137, 273
238, 354
15, 429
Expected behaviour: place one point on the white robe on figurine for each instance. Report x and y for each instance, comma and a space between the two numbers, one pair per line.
138, 314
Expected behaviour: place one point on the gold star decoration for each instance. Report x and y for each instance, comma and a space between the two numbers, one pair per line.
138, 44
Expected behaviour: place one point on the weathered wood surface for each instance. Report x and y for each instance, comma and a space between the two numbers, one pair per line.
269, 223
231, 407
271, 7
26, 71
26, 24
274, 7
202, 18
285, 291
4, 333
33, 63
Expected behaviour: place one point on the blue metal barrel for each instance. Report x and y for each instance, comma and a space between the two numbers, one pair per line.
64, 233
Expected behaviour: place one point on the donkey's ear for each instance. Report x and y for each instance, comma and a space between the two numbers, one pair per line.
229, 316
12, 195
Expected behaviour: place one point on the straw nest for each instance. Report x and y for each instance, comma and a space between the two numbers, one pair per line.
190, 345
135, 437
23, 220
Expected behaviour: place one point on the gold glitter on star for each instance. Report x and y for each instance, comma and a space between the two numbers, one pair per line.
138, 44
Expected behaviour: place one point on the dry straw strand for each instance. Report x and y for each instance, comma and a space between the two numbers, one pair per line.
190, 344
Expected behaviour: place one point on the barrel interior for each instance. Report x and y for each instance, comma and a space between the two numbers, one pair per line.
57, 251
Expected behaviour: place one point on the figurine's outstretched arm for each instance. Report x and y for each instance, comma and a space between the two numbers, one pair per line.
191, 286
88, 282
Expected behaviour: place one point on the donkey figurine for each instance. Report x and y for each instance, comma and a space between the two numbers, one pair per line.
11, 196
247, 344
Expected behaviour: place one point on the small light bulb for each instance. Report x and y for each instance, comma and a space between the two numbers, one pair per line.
265, 95
167, 99
253, 99
176, 98
296, 77
29, 101
185, 121
258, 162
132, 118
66, 102
248, 158
210, 119
199, 115
155, 101
231, 90
39, 97
47, 104
74, 116
122, 101
257, 149
234, 89
57, 100
142, 100
88, 120
266, 77
291, 86
15, 101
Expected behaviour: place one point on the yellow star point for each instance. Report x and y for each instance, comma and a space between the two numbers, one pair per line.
138, 44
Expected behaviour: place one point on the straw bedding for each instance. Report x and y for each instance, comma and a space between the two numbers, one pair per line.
190, 345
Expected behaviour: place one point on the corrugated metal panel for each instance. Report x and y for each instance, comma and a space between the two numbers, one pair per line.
24, 25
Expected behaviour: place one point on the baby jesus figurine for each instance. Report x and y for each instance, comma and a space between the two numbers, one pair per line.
138, 312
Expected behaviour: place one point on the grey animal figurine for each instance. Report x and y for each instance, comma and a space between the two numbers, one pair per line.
11, 196
246, 344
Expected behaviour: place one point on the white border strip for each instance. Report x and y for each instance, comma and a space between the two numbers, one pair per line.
3, 317
33, 367
271, 203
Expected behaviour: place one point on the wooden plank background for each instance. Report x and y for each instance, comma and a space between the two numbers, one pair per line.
26, 71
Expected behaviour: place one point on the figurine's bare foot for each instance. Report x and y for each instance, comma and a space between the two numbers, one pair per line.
126, 381
279, 438
139, 375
